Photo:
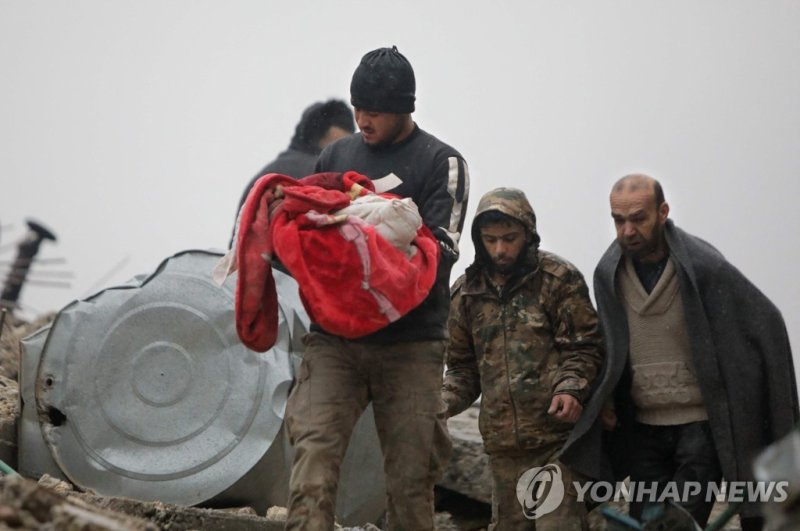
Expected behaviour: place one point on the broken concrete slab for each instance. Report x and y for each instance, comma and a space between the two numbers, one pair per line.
468, 472
167, 516
176, 517
27, 505
9, 416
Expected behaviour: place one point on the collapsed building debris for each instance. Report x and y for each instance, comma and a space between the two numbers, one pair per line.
28, 505
781, 462
15, 329
57, 504
468, 472
9, 413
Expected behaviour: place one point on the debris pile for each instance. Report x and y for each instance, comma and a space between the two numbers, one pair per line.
15, 329
24, 504
55, 504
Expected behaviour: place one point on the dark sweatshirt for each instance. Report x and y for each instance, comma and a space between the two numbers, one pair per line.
435, 177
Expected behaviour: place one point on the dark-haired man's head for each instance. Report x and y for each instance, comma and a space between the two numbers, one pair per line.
504, 242
321, 124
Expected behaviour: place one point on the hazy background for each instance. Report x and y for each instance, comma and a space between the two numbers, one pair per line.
130, 128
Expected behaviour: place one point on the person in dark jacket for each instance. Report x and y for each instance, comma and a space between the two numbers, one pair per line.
398, 368
322, 123
699, 369
525, 337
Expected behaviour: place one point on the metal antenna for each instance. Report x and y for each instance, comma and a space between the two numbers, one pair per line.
29, 261
110, 273
26, 251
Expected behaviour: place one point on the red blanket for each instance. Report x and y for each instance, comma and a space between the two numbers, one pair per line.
352, 282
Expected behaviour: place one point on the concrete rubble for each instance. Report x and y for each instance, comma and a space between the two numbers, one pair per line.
468, 473
9, 413
52, 503
463, 494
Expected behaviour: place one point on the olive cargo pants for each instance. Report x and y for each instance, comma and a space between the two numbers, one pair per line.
336, 381
507, 511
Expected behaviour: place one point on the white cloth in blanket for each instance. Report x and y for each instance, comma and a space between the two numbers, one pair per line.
396, 220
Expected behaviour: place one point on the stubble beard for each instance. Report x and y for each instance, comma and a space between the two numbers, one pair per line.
391, 137
508, 269
649, 247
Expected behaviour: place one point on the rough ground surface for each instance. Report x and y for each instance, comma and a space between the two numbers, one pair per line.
468, 473
15, 329
463, 496
55, 505
467, 483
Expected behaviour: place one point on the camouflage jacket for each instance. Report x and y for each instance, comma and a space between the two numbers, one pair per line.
538, 337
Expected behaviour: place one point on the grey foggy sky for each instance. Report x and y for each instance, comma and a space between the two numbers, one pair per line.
130, 128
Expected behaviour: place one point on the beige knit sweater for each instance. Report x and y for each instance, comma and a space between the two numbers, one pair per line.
664, 389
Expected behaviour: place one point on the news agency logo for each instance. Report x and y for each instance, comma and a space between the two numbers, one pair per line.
540, 490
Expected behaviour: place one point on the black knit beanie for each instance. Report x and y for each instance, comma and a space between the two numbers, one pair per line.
384, 82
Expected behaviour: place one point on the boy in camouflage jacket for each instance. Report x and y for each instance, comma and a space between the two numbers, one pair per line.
525, 336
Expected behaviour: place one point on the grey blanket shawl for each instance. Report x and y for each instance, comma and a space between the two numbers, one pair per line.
741, 356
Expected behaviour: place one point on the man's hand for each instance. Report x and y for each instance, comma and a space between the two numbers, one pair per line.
565, 408
608, 418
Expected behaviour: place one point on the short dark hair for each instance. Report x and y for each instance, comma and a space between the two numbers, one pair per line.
658, 192
317, 119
